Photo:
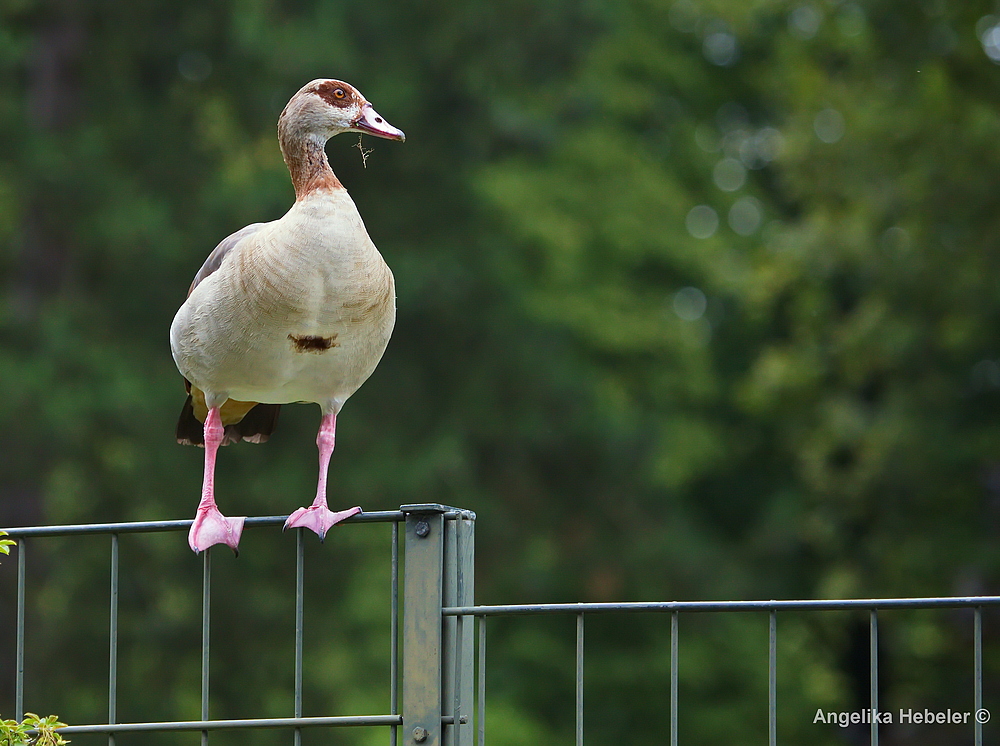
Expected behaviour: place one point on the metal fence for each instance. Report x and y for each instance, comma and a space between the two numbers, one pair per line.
438, 655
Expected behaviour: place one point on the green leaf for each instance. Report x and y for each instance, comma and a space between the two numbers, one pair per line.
6, 544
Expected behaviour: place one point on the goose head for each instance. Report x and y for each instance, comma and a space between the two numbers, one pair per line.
324, 108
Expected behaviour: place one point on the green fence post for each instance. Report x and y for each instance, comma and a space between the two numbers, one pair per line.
423, 585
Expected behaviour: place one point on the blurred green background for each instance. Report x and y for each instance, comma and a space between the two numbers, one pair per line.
697, 300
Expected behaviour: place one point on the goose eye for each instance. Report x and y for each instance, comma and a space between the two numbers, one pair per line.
339, 93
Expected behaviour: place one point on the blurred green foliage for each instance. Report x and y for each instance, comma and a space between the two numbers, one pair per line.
696, 300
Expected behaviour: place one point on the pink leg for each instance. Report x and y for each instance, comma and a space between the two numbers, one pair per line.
318, 517
210, 526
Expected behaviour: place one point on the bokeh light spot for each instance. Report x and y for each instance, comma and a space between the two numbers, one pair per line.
720, 48
745, 216
702, 221
690, 303
729, 174
990, 39
829, 125
804, 21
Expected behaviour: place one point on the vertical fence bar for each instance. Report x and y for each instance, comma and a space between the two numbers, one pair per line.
579, 679
19, 649
299, 619
113, 643
458, 647
673, 678
394, 635
449, 632
456, 707
873, 631
206, 584
772, 678
422, 624
481, 693
465, 535
977, 625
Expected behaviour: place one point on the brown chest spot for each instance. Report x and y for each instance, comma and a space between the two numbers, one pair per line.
312, 343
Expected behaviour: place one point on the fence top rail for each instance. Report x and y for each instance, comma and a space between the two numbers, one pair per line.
147, 527
939, 602
144, 527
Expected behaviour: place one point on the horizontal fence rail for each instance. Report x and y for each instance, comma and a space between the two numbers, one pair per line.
940, 602
250, 723
438, 653
148, 527
244, 724
771, 607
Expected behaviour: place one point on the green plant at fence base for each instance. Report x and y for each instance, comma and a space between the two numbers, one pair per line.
6, 544
32, 731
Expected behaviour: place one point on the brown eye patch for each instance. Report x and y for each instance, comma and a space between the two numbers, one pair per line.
335, 94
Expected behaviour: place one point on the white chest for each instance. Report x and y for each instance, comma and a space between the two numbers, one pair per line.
301, 310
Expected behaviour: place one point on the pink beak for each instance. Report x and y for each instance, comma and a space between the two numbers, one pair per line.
371, 122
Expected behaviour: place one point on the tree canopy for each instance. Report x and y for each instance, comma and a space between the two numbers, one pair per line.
696, 301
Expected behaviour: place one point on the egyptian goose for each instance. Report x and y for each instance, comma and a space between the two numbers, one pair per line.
296, 310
